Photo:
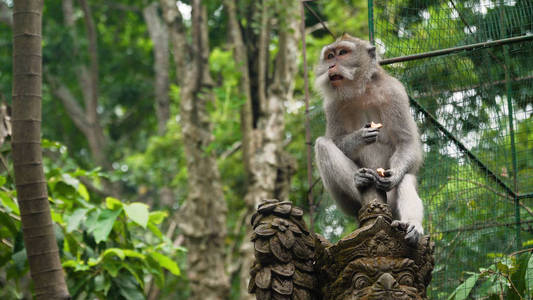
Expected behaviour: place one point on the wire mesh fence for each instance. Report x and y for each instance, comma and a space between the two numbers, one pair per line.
474, 108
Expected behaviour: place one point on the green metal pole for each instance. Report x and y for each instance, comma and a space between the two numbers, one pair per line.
371, 21
513, 145
509, 92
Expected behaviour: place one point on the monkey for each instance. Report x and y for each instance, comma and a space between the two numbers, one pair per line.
357, 91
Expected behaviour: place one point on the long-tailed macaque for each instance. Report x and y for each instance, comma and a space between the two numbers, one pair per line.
357, 92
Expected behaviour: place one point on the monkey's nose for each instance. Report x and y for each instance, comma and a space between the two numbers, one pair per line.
331, 67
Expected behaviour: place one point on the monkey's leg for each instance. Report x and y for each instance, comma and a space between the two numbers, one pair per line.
337, 172
408, 208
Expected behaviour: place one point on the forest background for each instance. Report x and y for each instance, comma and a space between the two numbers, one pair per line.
164, 124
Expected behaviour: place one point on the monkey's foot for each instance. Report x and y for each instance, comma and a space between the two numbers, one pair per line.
413, 233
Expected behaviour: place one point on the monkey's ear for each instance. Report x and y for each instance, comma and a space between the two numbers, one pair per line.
372, 51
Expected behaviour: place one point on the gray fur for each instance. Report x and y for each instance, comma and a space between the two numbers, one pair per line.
350, 150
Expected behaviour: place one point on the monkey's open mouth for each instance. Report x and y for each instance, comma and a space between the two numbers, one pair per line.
335, 77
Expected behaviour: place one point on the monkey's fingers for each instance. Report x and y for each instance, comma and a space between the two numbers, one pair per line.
384, 183
399, 225
363, 178
370, 136
412, 235
363, 181
373, 173
387, 173
363, 170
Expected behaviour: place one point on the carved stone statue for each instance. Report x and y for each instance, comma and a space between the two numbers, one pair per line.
373, 262
284, 252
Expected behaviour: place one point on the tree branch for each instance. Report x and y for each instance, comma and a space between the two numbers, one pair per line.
262, 58
92, 102
174, 20
241, 58
74, 110
158, 32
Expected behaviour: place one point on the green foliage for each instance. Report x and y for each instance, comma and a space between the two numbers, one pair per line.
509, 277
110, 249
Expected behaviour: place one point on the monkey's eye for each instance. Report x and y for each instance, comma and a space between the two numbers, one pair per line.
343, 51
330, 55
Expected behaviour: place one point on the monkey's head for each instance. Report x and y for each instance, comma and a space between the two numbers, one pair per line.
344, 68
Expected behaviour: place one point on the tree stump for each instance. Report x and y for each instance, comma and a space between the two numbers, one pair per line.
373, 262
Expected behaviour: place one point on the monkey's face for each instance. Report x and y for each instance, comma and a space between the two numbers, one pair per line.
345, 66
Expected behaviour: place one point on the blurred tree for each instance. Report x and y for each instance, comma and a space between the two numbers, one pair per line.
159, 35
86, 119
266, 87
202, 218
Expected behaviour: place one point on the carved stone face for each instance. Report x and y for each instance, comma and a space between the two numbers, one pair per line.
382, 278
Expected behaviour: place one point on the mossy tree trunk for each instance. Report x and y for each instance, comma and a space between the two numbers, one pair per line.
266, 90
202, 218
37, 224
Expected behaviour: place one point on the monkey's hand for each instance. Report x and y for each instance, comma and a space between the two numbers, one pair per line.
369, 133
364, 177
388, 181
413, 232
359, 138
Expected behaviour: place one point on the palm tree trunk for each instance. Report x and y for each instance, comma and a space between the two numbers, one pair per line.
37, 225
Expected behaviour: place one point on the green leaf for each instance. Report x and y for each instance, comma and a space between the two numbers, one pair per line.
529, 276
69, 180
20, 259
137, 212
112, 203
166, 262
93, 262
156, 217
135, 254
128, 288
3, 180
116, 251
76, 265
106, 220
155, 230
101, 284
7, 221
9, 203
82, 190
135, 274
463, 290
155, 269
527, 243
75, 219
92, 220
112, 268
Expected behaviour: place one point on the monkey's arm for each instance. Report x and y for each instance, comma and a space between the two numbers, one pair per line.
350, 142
407, 156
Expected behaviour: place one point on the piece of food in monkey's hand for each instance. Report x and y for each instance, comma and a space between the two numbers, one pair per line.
381, 172
373, 125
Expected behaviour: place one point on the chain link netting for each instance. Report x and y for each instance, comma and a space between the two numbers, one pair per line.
474, 109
